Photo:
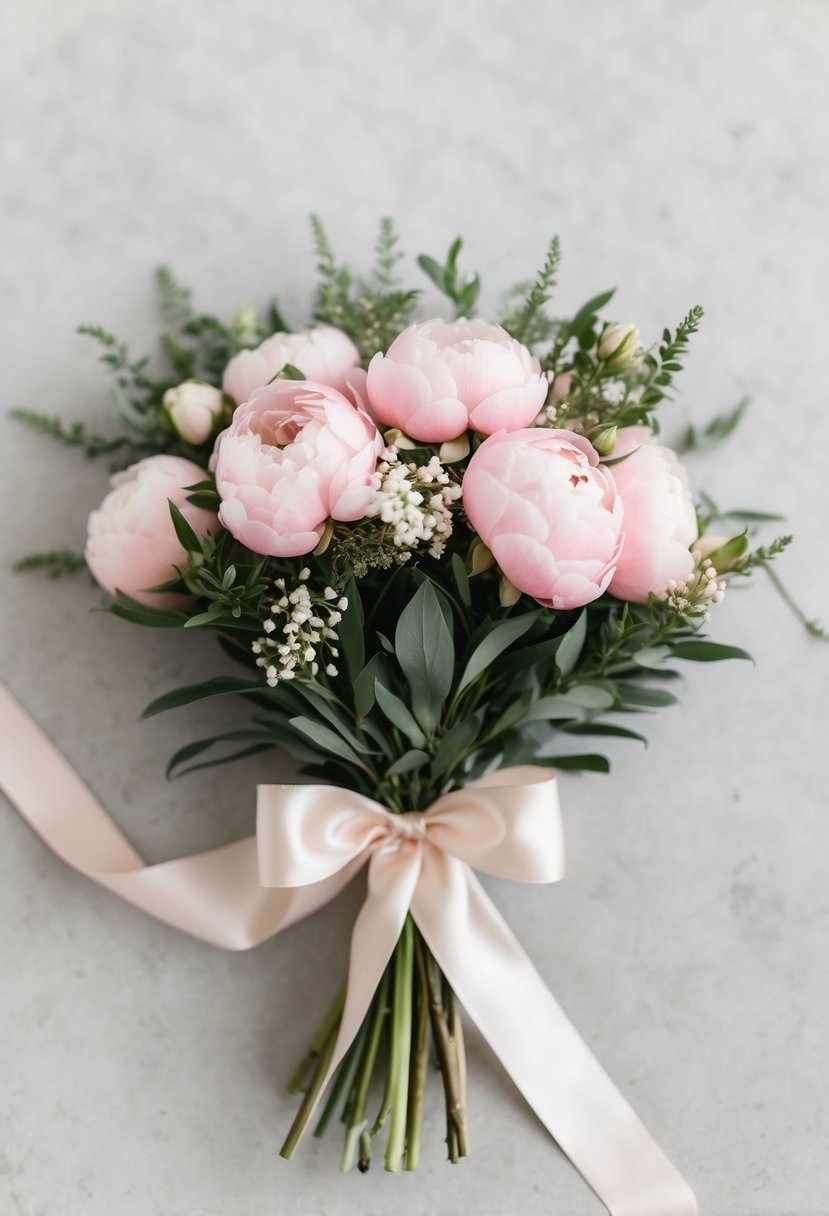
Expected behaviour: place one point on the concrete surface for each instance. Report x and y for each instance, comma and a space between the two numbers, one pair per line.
680, 151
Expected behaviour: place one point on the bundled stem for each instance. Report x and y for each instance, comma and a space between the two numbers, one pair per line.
412, 999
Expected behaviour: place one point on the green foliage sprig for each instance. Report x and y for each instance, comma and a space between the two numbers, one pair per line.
371, 311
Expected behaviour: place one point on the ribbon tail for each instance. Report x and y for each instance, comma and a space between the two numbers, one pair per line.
539, 1047
214, 896
392, 879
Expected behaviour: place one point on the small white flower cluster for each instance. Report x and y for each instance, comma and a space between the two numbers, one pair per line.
694, 596
415, 501
305, 622
547, 415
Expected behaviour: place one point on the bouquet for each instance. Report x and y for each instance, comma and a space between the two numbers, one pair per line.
445, 554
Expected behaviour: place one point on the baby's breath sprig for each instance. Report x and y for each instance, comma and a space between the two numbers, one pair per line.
300, 631
415, 501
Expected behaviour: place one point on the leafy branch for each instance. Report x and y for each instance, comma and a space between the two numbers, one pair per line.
58, 562
660, 370
76, 435
523, 324
371, 311
462, 290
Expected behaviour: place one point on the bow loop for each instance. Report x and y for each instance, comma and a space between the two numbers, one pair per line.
507, 824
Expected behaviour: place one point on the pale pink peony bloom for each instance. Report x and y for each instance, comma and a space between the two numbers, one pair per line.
296, 454
324, 355
131, 543
194, 409
439, 378
550, 514
660, 520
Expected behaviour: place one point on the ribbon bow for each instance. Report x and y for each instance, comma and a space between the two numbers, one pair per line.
310, 841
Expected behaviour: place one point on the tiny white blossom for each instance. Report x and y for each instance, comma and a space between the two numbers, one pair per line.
302, 620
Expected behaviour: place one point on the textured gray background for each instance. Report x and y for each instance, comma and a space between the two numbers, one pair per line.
680, 151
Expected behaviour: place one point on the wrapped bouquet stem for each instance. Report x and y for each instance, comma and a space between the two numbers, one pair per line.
443, 554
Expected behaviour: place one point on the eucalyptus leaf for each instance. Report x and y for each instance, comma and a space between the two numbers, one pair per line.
408, 762
327, 740
184, 532
651, 656
398, 714
590, 696
590, 762
351, 632
499, 639
708, 652
571, 645
602, 728
461, 580
553, 708
219, 686
636, 694
455, 743
426, 654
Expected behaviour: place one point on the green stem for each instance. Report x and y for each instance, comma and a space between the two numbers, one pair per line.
343, 1081
448, 1050
357, 1114
311, 1095
401, 1046
420, 1059
814, 627
332, 1020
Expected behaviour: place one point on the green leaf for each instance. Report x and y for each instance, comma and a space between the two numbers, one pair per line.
398, 714
202, 745
214, 611
571, 645
513, 714
323, 706
590, 696
496, 642
408, 762
602, 728
426, 654
184, 532
717, 430
461, 580
635, 694
134, 418
590, 762
529, 656
351, 632
364, 685
582, 326
219, 686
327, 740
142, 614
455, 743
556, 708
237, 755
651, 656
708, 652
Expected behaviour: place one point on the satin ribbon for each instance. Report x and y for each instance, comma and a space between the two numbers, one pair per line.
309, 843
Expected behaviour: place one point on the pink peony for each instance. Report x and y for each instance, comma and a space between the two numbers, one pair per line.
439, 378
660, 520
550, 514
294, 455
131, 544
324, 354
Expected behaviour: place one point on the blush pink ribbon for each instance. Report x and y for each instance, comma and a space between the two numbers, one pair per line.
310, 841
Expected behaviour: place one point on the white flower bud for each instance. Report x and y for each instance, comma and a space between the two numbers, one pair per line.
619, 347
194, 408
